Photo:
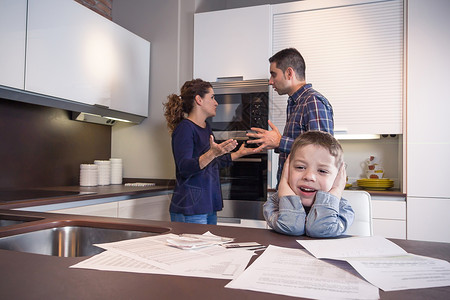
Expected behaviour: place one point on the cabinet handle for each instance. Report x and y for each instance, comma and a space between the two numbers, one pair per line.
248, 160
101, 106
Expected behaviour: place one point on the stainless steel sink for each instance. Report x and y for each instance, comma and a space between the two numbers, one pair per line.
9, 220
71, 241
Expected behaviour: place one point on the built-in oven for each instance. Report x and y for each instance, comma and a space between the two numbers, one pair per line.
244, 187
242, 104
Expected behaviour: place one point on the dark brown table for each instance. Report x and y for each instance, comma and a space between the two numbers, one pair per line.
32, 276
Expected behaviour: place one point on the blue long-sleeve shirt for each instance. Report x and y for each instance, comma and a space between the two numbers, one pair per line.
197, 191
306, 110
327, 217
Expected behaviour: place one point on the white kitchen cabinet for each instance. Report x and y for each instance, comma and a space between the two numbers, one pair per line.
234, 42
428, 138
130, 83
394, 229
353, 50
428, 219
100, 210
389, 217
76, 54
243, 223
147, 208
13, 19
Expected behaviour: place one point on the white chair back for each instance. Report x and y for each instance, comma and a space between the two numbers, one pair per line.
361, 203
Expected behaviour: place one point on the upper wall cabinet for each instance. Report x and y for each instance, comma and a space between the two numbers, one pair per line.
233, 42
13, 20
78, 55
354, 55
130, 83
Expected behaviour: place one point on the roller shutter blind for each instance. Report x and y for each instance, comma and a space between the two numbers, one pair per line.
354, 56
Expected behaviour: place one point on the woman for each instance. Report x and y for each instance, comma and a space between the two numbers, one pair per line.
197, 196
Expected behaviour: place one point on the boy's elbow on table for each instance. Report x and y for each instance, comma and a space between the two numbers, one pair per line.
325, 230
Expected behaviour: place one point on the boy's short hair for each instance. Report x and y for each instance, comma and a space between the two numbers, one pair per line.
319, 138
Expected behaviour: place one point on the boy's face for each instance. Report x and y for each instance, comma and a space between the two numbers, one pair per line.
313, 168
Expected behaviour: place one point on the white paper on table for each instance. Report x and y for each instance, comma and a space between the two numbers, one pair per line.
393, 273
383, 263
293, 272
195, 241
208, 236
223, 267
153, 250
358, 246
112, 261
212, 262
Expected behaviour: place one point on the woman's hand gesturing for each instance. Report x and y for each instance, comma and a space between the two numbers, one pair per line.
222, 148
216, 150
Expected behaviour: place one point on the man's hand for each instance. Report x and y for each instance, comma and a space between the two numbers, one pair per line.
339, 183
265, 138
283, 187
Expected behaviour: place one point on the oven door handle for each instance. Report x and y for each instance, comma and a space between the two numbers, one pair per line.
248, 160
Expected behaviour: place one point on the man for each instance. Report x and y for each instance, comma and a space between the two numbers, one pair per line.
306, 110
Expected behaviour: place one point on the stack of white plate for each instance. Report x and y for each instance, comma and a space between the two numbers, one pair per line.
116, 170
88, 175
104, 172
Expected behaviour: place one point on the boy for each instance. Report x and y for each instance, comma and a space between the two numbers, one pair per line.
310, 190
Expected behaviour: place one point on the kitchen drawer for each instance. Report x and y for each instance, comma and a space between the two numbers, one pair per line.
428, 219
99, 210
148, 208
389, 228
385, 209
242, 223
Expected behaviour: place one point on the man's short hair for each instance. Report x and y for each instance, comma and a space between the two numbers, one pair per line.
290, 57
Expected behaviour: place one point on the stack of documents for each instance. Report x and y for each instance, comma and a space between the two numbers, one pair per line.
294, 272
195, 241
345, 268
167, 254
383, 263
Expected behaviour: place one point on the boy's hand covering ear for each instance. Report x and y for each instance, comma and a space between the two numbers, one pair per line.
283, 187
339, 183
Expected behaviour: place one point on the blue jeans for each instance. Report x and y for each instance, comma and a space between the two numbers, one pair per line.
198, 219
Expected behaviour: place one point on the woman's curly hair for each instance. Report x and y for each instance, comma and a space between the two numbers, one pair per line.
178, 107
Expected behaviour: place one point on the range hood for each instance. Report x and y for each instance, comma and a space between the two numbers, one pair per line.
80, 111
92, 118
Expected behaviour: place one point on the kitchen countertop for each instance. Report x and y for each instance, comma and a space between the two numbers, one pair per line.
388, 192
33, 276
88, 193
97, 192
